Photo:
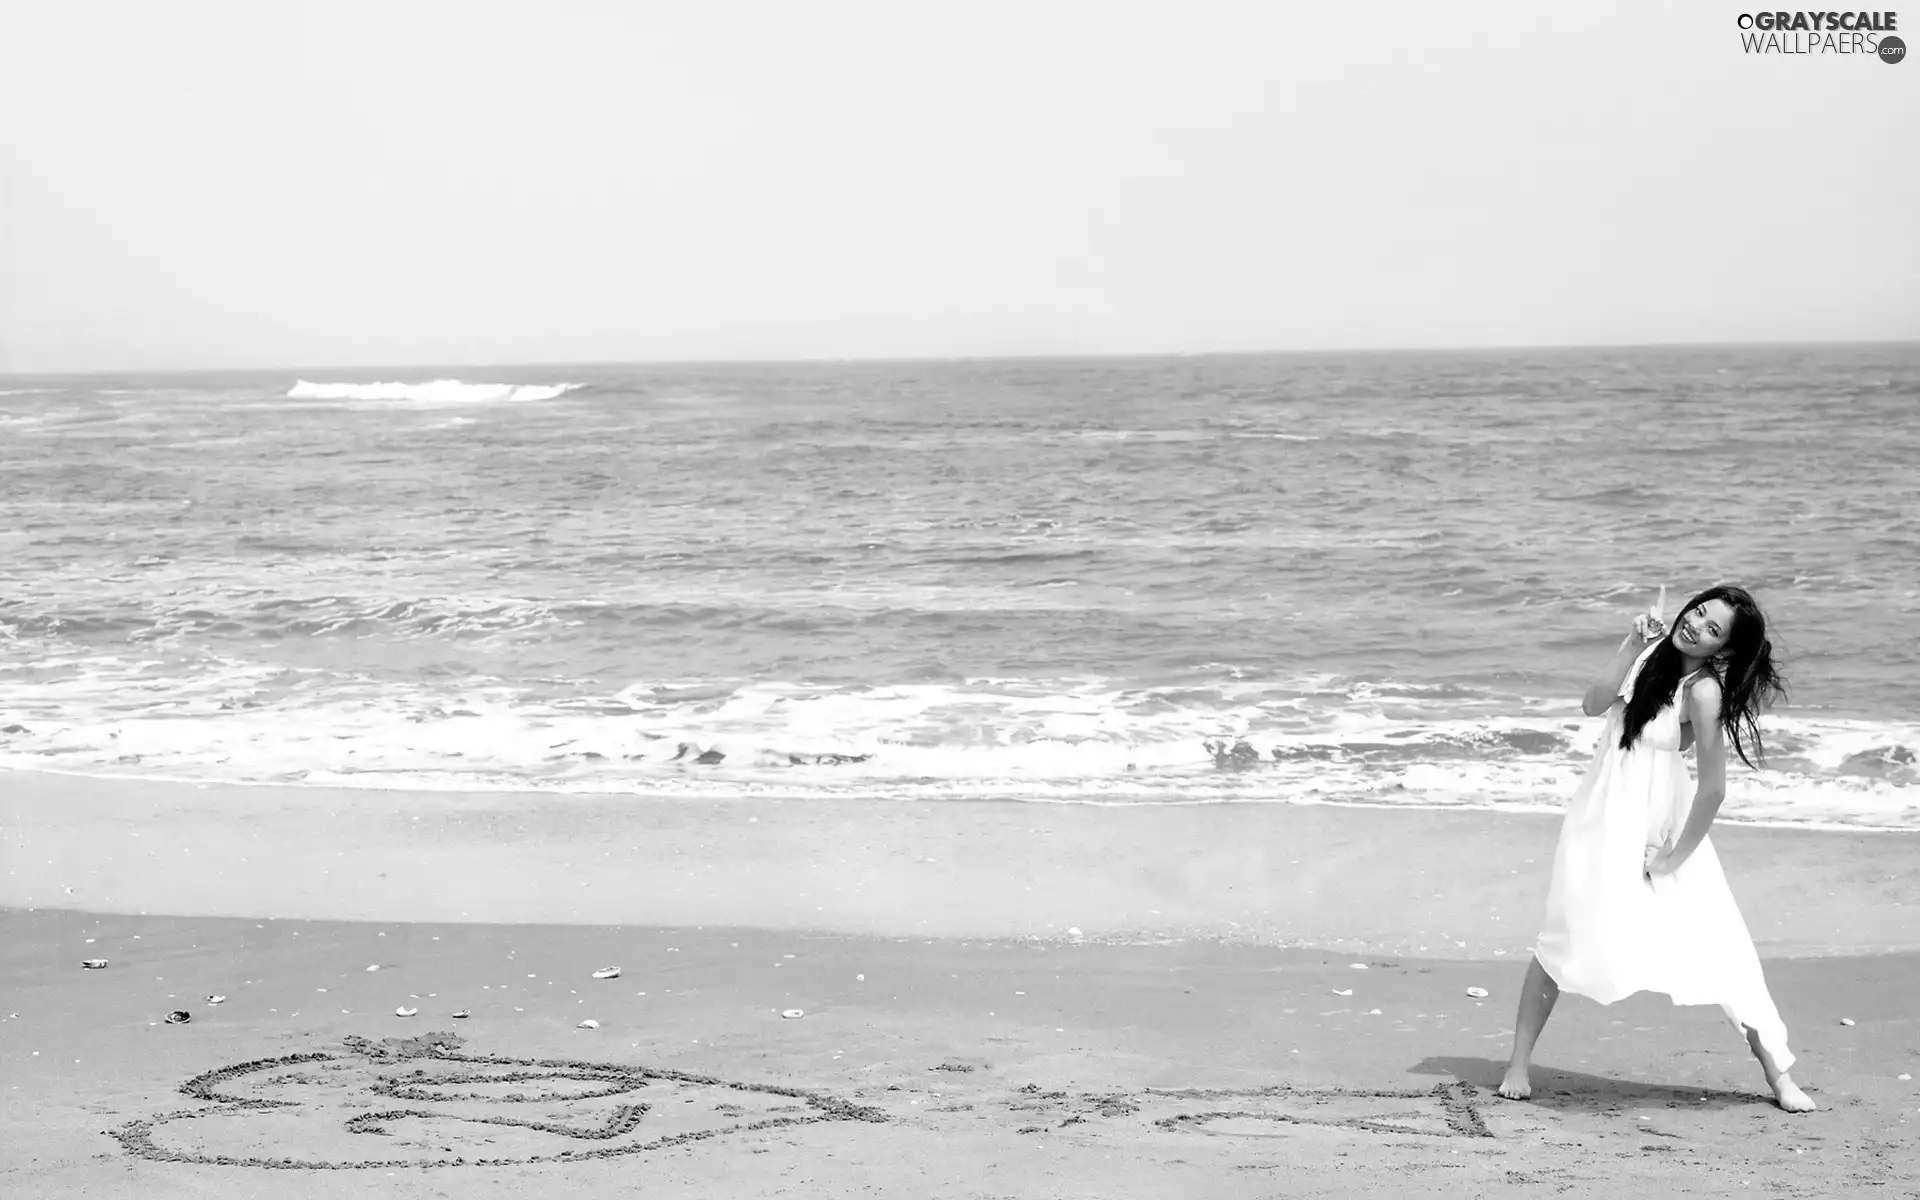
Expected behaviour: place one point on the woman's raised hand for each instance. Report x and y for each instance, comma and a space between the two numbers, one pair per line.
1651, 625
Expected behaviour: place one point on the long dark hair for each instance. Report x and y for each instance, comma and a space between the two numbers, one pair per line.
1744, 668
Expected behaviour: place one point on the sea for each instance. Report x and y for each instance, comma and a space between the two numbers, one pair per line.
1355, 578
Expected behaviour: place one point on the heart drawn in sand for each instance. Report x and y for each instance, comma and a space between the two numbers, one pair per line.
419, 1102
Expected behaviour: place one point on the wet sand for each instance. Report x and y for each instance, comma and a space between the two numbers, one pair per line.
957, 1038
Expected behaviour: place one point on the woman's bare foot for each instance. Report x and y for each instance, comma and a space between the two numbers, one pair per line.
1537, 995
1516, 1086
1787, 1094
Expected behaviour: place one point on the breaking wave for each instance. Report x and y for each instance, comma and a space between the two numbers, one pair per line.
1304, 740
439, 391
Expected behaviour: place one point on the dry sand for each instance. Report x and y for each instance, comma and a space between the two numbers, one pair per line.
957, 1039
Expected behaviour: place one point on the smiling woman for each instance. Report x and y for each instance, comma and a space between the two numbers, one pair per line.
1722, 630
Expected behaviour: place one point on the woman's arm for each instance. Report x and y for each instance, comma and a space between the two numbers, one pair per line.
1605, 688
1710, 743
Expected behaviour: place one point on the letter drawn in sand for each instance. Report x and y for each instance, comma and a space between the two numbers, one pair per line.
1445, 1110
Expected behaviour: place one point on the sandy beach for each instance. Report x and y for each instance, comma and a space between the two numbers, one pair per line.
994, 999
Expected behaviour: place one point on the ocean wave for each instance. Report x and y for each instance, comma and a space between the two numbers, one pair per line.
223, 619
1015, 557
322, 616
1143, 435
438, 391
1187, 435
1236, 741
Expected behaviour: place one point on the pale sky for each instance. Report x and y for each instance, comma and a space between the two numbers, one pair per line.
190, 185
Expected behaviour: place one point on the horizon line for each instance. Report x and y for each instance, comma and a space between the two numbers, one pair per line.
854, 360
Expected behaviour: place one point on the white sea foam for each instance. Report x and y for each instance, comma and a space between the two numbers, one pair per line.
436, 392
1145, 435
1056, 740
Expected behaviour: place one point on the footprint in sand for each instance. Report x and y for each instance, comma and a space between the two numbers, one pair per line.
420, 1102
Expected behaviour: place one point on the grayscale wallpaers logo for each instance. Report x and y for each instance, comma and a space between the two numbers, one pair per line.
1867, 34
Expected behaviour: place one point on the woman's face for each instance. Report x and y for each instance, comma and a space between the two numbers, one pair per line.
1702, 630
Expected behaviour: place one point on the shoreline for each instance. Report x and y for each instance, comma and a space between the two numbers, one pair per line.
1430, 881
776, 796
721, 789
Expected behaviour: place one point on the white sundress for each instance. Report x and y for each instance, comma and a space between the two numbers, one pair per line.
1609, 931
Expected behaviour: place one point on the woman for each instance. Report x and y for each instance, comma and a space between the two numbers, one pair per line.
1638, 901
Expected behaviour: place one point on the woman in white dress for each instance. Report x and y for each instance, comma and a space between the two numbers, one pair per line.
1638, 901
